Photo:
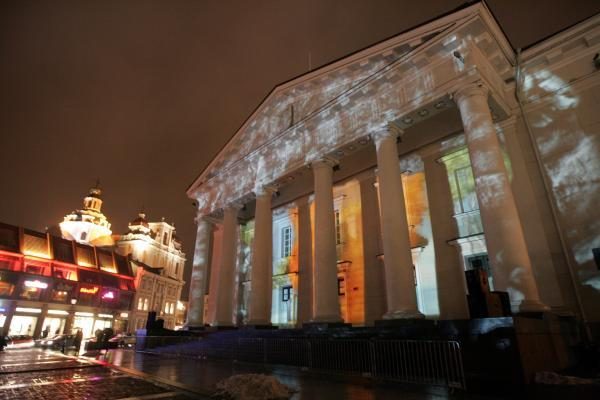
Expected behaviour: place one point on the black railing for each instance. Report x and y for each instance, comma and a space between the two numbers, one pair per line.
433, 362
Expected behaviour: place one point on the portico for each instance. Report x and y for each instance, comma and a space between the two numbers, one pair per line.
354, 156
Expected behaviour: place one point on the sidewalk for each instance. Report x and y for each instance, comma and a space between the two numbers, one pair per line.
33, 374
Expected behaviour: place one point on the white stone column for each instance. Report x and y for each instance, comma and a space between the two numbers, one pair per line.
399, 274
450, 274
226, 278
200, 267
262, 259
504, 237
326, 307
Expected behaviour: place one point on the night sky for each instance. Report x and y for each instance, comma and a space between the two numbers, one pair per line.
143, 94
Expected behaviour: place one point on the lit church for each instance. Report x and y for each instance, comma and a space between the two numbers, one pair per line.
156, 257
439, 174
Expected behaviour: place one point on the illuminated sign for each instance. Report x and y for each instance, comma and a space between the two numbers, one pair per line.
124, 315
84, 314
108, 295
105, 316
57, 312
85, 290
36, 284
29, 310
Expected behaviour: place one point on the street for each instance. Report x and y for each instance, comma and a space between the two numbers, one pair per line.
32, 374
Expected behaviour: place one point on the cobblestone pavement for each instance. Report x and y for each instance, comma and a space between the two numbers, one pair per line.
35, 374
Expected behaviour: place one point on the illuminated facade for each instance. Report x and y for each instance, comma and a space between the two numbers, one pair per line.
158, 267
367, 189
49, 285
88, 225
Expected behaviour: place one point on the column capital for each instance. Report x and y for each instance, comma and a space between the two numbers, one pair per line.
469, 90
206, 218
234, 205
392, 131
324, 162
265, 190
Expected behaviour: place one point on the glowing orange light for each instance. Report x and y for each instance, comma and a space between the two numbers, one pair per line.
93, 290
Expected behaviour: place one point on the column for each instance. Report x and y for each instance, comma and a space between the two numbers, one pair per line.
504, 237
399, 271
195, 316
305, 262
326, 307
262, 260
226, 278
374, 279
451, 285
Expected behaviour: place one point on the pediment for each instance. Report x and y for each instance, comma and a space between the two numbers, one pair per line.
291, 107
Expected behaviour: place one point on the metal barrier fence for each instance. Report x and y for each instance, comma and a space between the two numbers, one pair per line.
434, 362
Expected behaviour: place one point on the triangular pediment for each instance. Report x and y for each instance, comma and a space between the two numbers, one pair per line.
291, 103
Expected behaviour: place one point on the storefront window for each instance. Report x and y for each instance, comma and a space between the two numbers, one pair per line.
125, 299
66, 273
84, 323
62, 292
37, 269
53, 326
32, 289
109, 297
88, 294
9, 263
22, 325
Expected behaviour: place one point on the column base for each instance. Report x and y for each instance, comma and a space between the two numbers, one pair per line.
324, 326
223, 325
195, 328
403, 314
327, 319
528, 306
258, 325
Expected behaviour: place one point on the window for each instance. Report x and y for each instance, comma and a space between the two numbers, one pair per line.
338, 228
140, 305
286, 241
83, 236
286, 293
165, 239
341, 286
465, 184
145, 304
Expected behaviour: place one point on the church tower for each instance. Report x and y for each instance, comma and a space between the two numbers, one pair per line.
88, 225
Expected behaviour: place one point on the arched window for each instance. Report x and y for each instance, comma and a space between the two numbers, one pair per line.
165, 239
83, 236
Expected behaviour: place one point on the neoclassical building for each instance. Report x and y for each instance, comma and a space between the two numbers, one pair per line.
367, 189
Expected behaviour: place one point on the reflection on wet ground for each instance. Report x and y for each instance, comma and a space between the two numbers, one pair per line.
202, 375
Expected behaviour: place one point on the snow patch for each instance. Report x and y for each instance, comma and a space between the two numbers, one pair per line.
252, 387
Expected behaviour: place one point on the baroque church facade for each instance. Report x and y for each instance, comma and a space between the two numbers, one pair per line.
155, 255
369, 188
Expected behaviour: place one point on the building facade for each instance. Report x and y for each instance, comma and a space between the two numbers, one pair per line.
49, 285
158, 263
369, 188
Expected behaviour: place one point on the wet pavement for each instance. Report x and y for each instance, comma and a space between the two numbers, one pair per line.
34, 374
201, 376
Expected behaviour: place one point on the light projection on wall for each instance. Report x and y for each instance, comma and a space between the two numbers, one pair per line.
564, 119
335, 109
